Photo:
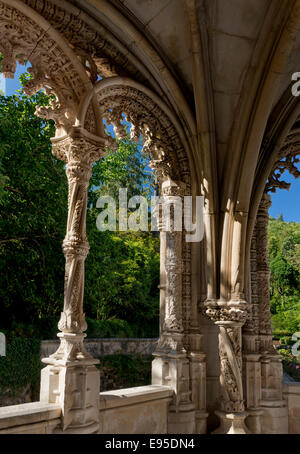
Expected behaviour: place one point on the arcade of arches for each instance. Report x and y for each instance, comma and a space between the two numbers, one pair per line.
207, 83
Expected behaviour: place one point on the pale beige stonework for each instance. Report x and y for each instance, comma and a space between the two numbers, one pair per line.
30, 418
291, 393
207, 84
141, 410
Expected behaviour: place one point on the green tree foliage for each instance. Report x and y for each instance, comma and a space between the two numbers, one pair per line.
33, 213
122, 269
122, 273
128, 168
284, 257
284, 277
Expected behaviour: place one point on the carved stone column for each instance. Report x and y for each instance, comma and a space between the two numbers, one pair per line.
197, 358
171, 364
71, 378
198, 381
251, 353
230, 317
270, 360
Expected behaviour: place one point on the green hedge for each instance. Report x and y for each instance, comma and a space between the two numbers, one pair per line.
108, 328
128, 370
21, 366
120, 328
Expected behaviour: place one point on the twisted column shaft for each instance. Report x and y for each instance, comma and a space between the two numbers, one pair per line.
79, 153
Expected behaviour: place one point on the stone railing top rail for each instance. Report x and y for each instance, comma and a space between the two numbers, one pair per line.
30, 413
136, 395
112, 339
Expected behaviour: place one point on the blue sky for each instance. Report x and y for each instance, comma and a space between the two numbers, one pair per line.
287, 202
284, 202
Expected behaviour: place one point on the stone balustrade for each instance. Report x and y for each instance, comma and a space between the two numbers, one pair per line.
31, 418
141, 410
137, 410
103, 347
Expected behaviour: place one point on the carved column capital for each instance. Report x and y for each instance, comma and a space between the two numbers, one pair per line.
221, 311
172, 188
79, 149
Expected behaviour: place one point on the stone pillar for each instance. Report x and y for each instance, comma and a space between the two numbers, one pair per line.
71, 378
195, 353
251, 354
171, 364
270, 360
230, 317
198, 381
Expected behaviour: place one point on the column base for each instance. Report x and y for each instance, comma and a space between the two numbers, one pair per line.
201, 422
275, 417
90, 429
76, 387
232, 423
182, 420
253, 420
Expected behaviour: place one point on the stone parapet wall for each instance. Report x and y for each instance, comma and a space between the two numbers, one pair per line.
104, 347
31, 418
291, 393
141, 410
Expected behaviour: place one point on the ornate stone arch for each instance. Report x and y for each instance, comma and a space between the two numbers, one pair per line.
150, 118
27, 36
287, 160
165, 141
279, 152
77, 108
281, 137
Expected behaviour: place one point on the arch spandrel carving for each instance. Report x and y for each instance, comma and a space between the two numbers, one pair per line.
25, 36
149, 117
94, 42
287, 159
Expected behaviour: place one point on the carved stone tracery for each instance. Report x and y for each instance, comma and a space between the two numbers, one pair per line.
22, 40
93, 43
287, 161
160, 138
263, 379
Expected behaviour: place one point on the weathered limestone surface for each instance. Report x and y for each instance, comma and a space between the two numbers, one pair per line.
141, 410
31, 418
137, 410
291, 393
